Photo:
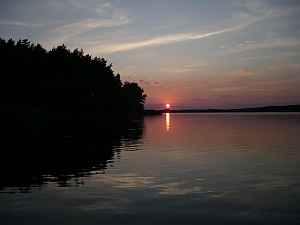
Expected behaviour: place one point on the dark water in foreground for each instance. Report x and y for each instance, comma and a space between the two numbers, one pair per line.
169, 169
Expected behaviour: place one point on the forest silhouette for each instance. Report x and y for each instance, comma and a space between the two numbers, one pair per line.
42, 89
61, 79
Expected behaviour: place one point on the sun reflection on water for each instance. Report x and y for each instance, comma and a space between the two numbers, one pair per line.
167, 121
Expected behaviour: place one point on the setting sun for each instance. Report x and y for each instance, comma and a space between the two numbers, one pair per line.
168, 105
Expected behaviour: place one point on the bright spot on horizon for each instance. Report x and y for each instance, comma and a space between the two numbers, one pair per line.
168, 105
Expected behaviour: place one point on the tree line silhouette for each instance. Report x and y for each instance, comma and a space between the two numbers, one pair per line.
61, 113
64, 80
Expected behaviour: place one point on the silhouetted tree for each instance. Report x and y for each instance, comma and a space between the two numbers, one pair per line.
133, 97
61, 79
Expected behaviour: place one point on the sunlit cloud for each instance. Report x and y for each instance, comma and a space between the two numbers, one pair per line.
195, 98
286, 67
253, 85
292, 80
233, 88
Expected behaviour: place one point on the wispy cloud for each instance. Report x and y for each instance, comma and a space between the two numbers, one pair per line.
54, 4
12, 22
150, 82
233, 88
192, 65
71, 30
246, 46
242, 73
100, 8
258, 85
182, 68
174, 70
271, 82
18, 23
165, 39
239, 20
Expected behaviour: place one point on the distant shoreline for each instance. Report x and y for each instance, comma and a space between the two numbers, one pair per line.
286, 108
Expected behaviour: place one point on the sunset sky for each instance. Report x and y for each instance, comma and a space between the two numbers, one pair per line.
193, 54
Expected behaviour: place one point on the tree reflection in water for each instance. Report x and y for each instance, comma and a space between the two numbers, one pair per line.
83, 151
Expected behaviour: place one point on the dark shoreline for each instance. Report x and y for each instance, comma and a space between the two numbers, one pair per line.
286, 108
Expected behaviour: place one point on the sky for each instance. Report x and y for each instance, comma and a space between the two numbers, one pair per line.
192, 54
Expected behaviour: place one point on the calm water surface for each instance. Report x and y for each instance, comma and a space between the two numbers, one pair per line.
182, 169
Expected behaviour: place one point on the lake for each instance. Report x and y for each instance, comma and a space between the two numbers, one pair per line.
222, 168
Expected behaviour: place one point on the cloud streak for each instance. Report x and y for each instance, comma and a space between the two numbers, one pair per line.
257, 84
99, 9
69, 31
166, 39
12, 22
263, 44
244, 19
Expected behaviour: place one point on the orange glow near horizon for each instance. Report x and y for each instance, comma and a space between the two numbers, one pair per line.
168, 105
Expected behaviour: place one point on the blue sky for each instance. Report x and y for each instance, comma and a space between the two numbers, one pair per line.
191, 54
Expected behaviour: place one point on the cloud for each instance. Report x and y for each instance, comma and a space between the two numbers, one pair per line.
165, 39
72, 30
259, 12
12, 22
195, 98
143, 82
242, 73
246, 46
240, 20
149, 82
54, 4
192, 65
179, 68
246, 43
86, 25
172, 86
209, 97
233, 88
174, 70
271, 82
269, 85
101, 8
152, 83
127, 70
